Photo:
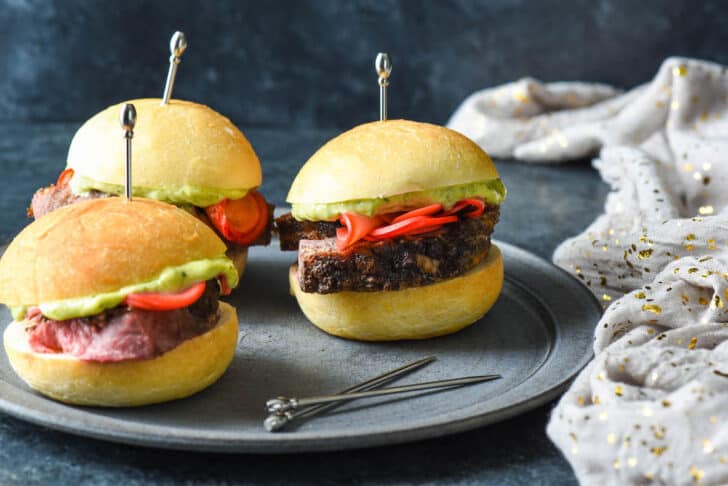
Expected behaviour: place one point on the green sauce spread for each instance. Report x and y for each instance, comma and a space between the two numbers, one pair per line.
171, 278
196, 196
493, 191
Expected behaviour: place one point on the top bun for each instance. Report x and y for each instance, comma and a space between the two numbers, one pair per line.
387, 158
175, 145
98, 246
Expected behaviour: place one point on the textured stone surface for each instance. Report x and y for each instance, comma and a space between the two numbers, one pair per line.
545, 204
310, 63
511, 453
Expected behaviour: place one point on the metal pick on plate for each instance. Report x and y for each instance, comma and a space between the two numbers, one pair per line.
127, 118
284, 404
383, 65
177, 46
277, 421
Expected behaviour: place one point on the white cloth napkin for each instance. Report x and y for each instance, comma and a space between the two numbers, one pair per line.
653, 404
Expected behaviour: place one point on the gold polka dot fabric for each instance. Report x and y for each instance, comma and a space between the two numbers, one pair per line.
653, 402
652, 407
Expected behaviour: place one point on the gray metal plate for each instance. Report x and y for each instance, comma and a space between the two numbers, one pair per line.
538, 336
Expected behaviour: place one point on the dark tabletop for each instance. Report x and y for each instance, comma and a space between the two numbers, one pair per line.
545, 205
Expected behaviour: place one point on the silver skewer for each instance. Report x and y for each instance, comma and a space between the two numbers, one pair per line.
177, 46
277, 421
127, 118
383, 65
283, 404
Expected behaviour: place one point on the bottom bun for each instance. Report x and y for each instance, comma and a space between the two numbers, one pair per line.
239, 256
412, 313
190, 367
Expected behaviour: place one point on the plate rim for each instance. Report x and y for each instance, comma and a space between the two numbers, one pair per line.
313, 442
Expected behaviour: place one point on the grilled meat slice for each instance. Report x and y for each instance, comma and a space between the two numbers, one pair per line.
397, 263
47, 199
291, 231
123, 333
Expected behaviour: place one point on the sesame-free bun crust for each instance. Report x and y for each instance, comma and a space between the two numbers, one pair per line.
190, 367
98, 246
412, 313
387, 158
178, 144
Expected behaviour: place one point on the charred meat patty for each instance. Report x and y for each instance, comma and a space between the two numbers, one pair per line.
291, 231
392, 264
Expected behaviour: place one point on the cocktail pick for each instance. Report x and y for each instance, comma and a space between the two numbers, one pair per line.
383, 65
277, 421
284, 404
127, 118
177, 46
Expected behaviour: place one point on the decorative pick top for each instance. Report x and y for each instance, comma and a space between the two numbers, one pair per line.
177, 46
383, 65
127, 119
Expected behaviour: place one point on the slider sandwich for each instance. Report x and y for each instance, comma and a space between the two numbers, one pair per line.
186, 154
392, 223
115, 303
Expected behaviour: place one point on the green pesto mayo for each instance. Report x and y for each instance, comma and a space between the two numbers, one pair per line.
196, 196
171, 278
493, 191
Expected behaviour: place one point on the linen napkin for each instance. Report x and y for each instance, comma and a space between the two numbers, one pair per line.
652, 407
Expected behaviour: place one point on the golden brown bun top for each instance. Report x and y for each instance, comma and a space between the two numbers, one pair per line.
381, 159
100, 245
178, 144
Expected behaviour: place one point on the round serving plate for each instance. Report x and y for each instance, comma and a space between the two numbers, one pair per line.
537, 336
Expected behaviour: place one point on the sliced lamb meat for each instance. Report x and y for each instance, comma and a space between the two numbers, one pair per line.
397, 263
47, 199
122, 333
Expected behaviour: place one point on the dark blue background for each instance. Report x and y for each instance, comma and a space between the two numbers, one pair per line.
310, 63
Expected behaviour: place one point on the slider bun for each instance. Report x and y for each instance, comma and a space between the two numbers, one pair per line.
98, 246
179, 144
412, 313
388, 158
190, 367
